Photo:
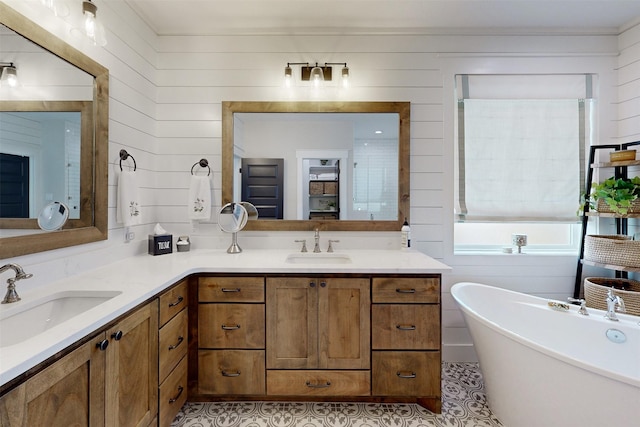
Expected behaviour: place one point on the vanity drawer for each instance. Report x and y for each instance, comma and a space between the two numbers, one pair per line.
405, 326
231, 289
173, 393
172, 343
406, 373
405, 290
231, 372
318, 383
172, 301
231, 326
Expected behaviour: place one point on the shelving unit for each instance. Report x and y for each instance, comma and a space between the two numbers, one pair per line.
324, 185
620, 171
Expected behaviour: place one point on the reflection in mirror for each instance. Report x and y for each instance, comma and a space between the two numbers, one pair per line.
54, 77
53, 216
232, 218
40, 153
338, 165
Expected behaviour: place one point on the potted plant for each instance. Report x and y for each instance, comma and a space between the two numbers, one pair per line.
621, 196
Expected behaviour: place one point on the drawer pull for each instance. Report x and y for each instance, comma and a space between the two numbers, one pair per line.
315, 385
406, 374
230, 328
174, 399
230, 289
406, 327
230, 374
178, 301
180, 339
405, 291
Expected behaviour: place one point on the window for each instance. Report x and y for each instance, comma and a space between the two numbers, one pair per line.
520, 165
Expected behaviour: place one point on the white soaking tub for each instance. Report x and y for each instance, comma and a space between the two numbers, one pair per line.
545, 367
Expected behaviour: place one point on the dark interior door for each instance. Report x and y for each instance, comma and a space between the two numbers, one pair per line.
14, 186
262, 185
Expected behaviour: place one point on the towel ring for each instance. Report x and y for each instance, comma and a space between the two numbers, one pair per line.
204, 163
124, 156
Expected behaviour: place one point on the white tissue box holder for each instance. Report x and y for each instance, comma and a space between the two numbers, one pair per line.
160, 244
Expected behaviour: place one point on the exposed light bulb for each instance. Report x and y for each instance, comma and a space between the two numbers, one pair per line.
10, 75
91, 27
288, 76
345, 76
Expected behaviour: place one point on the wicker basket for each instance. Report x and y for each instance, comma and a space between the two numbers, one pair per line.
596, 288
617, 250
603, 207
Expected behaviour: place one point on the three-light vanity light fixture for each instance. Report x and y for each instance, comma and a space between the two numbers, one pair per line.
8, 74
315, 73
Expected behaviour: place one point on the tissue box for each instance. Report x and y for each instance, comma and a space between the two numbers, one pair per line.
160, 244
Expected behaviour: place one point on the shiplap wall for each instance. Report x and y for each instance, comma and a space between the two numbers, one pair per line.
165, 98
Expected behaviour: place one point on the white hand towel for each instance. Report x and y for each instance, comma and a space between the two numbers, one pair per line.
128, 209
199, 204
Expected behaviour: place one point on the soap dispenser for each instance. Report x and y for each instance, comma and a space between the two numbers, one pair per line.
405, 235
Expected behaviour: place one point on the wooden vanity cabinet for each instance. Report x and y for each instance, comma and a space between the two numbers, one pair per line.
318, 326
231, 336
110, 380
405, 336
69, 392
172, 351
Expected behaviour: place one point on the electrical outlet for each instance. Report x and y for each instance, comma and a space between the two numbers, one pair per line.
130, 236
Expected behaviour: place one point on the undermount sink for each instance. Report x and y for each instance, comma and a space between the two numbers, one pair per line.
30, 318
321, 258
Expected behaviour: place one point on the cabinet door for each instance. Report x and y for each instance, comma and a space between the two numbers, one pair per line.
132, 369
292, 311
70, 392
344, 323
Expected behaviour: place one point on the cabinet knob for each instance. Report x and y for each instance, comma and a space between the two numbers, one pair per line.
102, 345
312, 284
323, 284
117, 335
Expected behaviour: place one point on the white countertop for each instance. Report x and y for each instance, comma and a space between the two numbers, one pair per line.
141, 277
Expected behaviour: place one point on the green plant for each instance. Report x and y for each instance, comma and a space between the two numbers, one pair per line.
618, 194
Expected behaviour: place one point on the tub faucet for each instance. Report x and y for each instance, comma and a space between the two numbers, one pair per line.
12, 295
316, 248
614, 303
583, 305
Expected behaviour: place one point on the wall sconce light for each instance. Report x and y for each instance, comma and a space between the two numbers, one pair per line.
9, 74
316, 73
91, 27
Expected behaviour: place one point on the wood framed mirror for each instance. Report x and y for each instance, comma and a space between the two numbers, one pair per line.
235, 116
92, 222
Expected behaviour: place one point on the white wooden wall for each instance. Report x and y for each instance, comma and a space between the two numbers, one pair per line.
166, 94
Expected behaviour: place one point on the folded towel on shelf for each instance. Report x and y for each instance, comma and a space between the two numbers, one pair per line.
199, 203
128, 199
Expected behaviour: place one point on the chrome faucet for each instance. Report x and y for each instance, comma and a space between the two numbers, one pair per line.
316, 248
614, 303
583, 305
12, 295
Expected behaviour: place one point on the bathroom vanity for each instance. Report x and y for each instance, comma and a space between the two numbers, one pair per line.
260, 325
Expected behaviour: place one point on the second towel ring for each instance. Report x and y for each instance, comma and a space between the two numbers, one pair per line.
204, 163
124, 156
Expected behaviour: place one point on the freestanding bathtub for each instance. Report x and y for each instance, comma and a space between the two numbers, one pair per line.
548, 368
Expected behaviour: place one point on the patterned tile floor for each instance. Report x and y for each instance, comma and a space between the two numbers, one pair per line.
463, 405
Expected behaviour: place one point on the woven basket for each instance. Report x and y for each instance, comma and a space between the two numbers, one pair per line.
617, 250
603, 207
596, 288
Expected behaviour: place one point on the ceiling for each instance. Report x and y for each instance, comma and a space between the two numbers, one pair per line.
208, 17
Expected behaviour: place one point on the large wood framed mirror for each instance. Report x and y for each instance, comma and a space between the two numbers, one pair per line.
59, 86
341, 166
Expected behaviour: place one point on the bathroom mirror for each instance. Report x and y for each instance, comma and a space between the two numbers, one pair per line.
55, 77
53, 216
316, 117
